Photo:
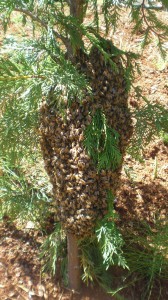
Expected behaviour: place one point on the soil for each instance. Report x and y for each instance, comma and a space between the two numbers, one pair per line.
143, 194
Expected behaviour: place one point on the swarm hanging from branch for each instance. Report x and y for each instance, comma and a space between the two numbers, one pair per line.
80, 184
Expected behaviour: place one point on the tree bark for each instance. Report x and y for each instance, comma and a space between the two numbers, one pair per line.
74, 269
78, 9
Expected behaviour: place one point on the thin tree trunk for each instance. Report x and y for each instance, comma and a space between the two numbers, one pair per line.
78, 9
74, 269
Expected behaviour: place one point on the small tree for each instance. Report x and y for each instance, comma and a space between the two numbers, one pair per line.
72, 83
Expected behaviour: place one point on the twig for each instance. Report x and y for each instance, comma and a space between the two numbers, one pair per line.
72, 291
25, 298
43, 24
33, 17
10, 78
61, 296
146, 21
155, 173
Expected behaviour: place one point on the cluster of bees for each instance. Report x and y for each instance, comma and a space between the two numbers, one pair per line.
80, 192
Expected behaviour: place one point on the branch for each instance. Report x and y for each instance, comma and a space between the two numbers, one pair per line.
33, 17
43, 24
20, 77
78, 9
146, 21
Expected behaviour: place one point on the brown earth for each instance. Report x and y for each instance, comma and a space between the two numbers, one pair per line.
142, 196
20, 270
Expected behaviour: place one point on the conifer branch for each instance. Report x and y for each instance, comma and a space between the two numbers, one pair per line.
33, 17
44, 25
160, 35
6, 78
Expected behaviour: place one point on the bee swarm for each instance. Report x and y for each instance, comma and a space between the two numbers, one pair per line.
79, 191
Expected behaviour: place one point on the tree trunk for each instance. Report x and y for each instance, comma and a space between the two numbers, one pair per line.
78, 9
74, 269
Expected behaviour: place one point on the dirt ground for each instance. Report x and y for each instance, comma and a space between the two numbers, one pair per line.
143, 195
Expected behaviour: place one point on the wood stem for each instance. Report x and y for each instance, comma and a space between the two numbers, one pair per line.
74, 269
77, 9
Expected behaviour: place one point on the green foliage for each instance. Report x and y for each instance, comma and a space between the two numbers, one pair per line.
164, 137
146, 254
55, 16
159, 27
40, 62
53, 252
20, 91
147, 21
130, 173
17, 129
103, 250
92, 264
101, 142
109, 238
111, 14
27, 75
151, 119
98, 252
136, 19
24, 195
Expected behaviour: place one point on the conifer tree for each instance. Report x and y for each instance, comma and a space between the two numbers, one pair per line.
70, 84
